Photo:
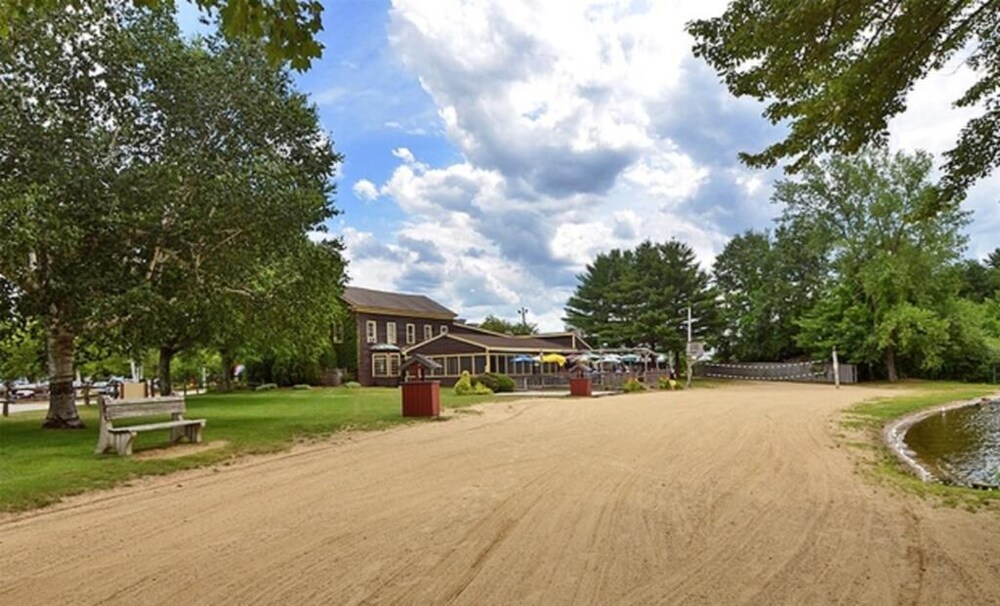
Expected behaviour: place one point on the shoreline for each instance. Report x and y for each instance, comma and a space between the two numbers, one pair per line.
894, 434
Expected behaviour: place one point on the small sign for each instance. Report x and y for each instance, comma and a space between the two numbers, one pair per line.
695, 349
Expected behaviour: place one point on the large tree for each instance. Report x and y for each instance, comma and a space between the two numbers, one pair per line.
288, 28
836, 72
246, 172
765, 283
72, 144
894, 272
640, 297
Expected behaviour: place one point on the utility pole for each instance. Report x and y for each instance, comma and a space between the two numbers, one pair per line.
688, 356
836, 369
524, 316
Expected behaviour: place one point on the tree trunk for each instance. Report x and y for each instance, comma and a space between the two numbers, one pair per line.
166, 356
227, 369
62, 397
890, 364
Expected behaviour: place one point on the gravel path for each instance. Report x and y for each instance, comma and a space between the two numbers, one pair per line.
731, 495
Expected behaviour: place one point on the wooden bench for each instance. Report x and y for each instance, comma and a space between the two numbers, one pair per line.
121, 438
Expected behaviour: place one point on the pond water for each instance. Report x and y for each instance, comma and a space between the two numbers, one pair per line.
960, 445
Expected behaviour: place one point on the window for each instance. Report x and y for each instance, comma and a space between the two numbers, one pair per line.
452, 369
428, 332
337, 331
371, 335
444, 329
411, 334
385, 365
390, 332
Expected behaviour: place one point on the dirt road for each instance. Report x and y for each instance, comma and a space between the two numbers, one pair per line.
732, 495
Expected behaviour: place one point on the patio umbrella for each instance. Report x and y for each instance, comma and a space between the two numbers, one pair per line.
630, 358
522, 358
554, 358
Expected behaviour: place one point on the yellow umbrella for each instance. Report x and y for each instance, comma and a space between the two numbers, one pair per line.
554, 358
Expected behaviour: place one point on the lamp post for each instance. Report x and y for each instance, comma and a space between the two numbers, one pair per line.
524, 316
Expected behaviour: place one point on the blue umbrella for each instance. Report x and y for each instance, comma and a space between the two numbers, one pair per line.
522, 358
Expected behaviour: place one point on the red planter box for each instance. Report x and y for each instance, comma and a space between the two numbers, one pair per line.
421, 399
581, 387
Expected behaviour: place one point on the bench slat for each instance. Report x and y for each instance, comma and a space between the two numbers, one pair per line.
123, 409
154, 426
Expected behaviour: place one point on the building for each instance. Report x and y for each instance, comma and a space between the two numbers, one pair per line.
382, 328
380, 325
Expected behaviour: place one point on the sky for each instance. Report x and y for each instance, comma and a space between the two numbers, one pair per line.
493, 149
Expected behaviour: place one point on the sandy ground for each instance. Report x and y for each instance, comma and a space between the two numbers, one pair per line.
731, 495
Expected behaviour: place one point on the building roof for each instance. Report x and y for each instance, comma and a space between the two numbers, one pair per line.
394, 303
500, 343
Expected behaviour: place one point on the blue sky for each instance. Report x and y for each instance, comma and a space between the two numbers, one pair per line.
493, 148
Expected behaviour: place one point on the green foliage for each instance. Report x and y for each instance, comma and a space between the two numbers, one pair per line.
502, 326
765, 284
463, 387
641, 297
301, 387
836, 72
265, 387
632, 386
352, 385
668, 383
488, 379
496, 381
892, 272
288, 28
481, 390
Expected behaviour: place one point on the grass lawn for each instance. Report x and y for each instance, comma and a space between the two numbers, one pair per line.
39, 467
871, 416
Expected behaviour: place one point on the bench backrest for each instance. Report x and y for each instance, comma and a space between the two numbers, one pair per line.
123, 409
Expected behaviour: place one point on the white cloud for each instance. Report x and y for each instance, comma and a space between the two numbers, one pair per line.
365, 190
404, 154
582, 127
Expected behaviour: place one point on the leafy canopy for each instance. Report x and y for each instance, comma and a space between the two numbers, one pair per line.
836, 72
288, 27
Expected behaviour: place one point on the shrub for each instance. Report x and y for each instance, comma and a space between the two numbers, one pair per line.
667, 383
352, 385
464, 385
482, 390
265, 387
504, 383
633, 385
488, 380
301, 386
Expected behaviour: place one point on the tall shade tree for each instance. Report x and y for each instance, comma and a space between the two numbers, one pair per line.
288, 28
765, 284
245, 172
836, 72
894, 273
73, 139
641, 296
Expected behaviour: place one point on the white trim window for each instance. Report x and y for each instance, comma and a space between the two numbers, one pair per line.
337, 332
371, 332
444, 329
385, 364
428, 332
390, 332
411, 334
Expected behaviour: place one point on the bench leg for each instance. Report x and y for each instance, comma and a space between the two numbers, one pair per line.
193, 433
123, 443
103, 441
176, 433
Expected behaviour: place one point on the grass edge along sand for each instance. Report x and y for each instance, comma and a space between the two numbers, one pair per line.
881, 465
40, 467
